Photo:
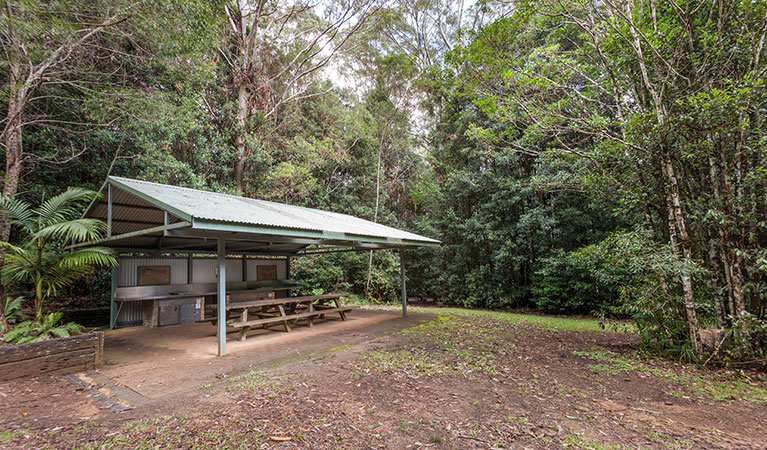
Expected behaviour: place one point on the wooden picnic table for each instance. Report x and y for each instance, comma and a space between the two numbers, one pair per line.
285, 310
262, 292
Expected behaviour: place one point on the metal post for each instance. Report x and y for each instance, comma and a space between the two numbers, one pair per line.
189, 268
221, 297
112, 303
109, 210
288, 293
244, 267
404, 287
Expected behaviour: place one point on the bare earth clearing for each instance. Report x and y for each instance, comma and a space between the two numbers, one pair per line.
468, 380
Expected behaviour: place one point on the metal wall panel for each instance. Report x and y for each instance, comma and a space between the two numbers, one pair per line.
234, 270
203, 269
131, 314
128, 272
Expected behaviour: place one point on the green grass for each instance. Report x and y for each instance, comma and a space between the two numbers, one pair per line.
578, 441
8, 435
414, 361
435, 439
668, 441
517, 419
256, 380
176, 432
446, 345
461, 340
547, 322
719, 386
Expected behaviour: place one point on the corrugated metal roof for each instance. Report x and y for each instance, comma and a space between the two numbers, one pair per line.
211, 206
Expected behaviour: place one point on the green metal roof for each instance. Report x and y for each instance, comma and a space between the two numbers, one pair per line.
142, 202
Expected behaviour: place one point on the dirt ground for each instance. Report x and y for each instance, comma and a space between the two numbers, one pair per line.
453, 381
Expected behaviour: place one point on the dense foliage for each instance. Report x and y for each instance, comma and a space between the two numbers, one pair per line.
598, 158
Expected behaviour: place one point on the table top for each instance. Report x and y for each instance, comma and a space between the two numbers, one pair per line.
195, 294
278, 301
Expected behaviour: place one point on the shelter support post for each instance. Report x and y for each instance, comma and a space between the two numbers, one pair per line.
189, 268
221, 310
287, 273
404, 286
112, 303
109, 210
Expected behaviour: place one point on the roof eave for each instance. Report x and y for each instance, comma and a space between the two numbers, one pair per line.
211, 225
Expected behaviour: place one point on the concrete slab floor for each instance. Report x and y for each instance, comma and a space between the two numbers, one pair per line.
145, 364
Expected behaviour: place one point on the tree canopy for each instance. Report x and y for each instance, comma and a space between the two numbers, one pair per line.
599, 158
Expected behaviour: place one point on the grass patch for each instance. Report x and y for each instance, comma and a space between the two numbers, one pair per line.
412, 361
461, 341
256, 380
578, 441
547, 322
720, 387
176, 432
6, 436
449, 344
516, 419
668, 441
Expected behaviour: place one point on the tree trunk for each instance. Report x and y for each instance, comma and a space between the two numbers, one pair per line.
12, 141
739, 234
715, 266
240, 142
714, 259
677, 219
737, 283
375, 213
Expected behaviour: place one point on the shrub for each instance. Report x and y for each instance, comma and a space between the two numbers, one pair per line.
647, 274
48, 327
567, 282
745, 341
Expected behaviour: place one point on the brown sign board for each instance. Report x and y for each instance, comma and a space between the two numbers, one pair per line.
266, 272
153, 275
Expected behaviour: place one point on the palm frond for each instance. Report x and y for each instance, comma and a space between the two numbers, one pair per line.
93, 256
79, 230
16, 249
18, 212
59, 276
18, 264
62, 207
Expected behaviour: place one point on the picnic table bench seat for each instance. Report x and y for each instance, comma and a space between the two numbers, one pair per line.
273, 310
292, 317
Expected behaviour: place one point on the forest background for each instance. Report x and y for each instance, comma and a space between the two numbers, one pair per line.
574, 157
